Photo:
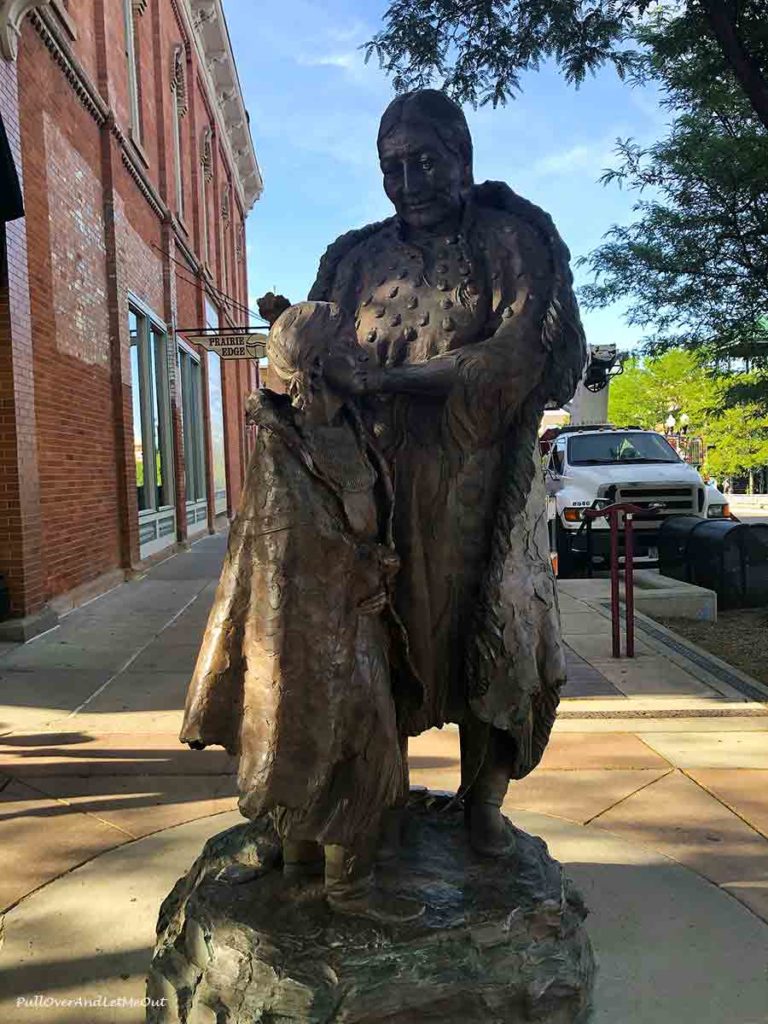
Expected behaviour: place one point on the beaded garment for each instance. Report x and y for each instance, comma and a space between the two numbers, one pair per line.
475, 591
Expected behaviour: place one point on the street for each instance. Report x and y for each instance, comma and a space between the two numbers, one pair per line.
752, 515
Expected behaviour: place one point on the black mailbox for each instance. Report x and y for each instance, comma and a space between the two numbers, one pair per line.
719, 554
674, 536
756, 566
5, 600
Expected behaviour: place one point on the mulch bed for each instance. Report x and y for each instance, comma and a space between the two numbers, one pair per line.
739, 637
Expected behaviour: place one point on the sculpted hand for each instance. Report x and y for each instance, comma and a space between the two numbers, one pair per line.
389, 562
350, 377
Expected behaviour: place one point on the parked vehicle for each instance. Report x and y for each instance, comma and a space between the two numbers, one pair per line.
593, 466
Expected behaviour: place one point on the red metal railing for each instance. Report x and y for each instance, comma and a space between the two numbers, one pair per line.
612, 514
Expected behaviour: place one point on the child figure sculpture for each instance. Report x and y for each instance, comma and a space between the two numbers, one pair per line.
293, 674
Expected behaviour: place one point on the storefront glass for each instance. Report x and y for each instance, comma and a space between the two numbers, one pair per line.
152, 441
216, 405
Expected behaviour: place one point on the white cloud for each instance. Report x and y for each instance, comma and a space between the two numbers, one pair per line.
346, 136
349, 60
576, 159
350, 63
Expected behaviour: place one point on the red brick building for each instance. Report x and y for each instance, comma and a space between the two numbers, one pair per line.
118, 438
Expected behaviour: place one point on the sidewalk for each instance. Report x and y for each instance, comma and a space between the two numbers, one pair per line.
654, 792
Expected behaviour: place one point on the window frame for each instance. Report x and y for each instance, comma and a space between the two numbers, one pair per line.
129, 17
179, 100
193, 435
206, 179
213, 319
178, 168
157, 522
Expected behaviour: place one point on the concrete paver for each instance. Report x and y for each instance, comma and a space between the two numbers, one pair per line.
42, 839
174, 658
437, 748
569, 604
80, 754
145, 803
579, 622
663, 936
575, 751
642, 907
597, 647
92, 932
681, 820
711, 750
744, 792
577, 796
87, 781
108, 722
31, 698
148, 689
650, 675
447, 780
583, 679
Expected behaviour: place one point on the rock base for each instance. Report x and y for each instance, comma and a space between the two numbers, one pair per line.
501, 941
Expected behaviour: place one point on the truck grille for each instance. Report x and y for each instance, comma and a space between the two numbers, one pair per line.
675, 501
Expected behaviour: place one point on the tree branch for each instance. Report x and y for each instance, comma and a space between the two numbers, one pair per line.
744, 66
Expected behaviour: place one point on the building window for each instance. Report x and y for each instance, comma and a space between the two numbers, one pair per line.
179, 109
216, 407
192, 427
129, 14
151, 414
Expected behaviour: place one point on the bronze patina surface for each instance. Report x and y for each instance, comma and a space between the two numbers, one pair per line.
501, 941
464, 302
388, 572
293, 674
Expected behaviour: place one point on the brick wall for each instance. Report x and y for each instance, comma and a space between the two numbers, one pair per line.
104, 222
20, 514
61, 150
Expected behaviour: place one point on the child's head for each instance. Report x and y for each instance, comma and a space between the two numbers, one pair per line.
302, 339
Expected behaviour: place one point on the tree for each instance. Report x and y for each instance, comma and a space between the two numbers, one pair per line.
738, 441
680, 383
694, 264
477, 49
649, 390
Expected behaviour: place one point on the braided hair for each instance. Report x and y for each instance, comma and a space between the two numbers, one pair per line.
298, 342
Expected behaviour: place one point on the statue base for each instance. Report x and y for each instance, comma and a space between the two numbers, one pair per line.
501, 940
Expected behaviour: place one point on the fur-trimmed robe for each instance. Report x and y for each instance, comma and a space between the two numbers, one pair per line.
289, 676
476, 591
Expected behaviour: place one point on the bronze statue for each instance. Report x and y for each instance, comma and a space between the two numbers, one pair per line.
389, 572
293, 674
464, 302
270, 306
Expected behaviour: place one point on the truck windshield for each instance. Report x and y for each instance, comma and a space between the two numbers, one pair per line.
612, 446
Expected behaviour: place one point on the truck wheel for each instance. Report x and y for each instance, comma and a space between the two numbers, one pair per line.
568, 564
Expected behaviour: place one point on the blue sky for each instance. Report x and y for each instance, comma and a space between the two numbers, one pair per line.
315, 108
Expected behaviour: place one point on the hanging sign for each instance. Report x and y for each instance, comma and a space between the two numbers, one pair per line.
232, 344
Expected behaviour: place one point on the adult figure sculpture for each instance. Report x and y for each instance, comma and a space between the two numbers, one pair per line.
464, 303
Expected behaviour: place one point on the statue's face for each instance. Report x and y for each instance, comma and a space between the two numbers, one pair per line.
346, 360
422, 177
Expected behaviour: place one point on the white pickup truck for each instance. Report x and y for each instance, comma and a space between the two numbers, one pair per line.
595, 466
